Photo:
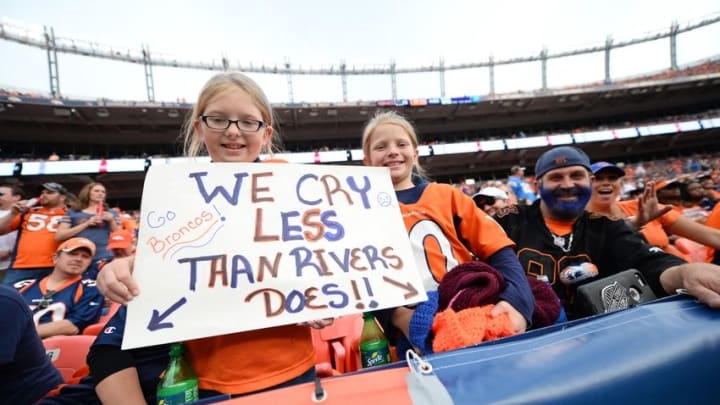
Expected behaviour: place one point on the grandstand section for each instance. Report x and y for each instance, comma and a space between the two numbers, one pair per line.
665, 113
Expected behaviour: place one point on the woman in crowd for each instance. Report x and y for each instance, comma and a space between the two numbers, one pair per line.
666, 221
91, 218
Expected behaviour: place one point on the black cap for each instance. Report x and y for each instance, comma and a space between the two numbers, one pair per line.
562, 156
56, 187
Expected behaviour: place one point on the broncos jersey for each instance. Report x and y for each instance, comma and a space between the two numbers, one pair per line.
446, 228
36, 244
77, 300
609, 244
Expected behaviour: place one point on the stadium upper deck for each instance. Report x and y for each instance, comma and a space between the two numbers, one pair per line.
464, 137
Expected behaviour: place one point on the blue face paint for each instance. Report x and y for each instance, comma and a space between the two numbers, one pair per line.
566, 209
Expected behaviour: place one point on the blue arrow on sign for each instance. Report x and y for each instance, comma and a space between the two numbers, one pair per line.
156, 320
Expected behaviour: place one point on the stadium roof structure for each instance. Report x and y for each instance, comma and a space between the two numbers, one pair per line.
611, 122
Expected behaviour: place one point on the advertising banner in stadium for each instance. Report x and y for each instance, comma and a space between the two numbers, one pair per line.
228, 247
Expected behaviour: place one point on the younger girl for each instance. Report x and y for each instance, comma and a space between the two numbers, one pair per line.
444, 225
232, 120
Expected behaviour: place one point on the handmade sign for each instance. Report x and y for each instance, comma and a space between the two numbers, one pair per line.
229, 247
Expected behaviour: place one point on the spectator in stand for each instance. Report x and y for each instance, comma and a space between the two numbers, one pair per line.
555, 235
127, 221
708, 185
655, 221
64, 303
116, 376
713, 221
233, 120
520, 187
669, 192
26, 371
490, 199
454, 233
90, 217
692, 195
9, 196
709, 193
36, 226
121, 243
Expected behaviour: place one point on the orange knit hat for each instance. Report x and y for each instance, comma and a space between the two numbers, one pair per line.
468, 327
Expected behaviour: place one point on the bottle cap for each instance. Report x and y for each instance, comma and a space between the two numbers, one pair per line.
177, 350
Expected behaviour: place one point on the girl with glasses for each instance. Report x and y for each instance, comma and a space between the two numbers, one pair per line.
233, 122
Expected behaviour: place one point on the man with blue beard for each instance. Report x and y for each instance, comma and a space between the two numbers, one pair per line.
556, 238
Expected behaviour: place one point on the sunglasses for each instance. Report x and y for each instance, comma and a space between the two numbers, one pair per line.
485, 200
46, 300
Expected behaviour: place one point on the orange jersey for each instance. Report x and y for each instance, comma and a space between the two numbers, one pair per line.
446, 228
36, 244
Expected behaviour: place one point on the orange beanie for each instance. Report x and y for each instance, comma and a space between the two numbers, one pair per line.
468, 327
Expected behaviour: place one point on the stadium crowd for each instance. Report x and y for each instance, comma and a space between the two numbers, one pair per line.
51, 268
68, 255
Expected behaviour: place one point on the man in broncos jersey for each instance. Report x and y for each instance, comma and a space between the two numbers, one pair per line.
557, 238
36, 226
63, 303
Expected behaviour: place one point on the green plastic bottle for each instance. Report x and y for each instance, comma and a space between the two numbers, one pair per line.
374, 346
178, 384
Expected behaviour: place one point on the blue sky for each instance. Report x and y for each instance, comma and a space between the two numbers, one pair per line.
365, 33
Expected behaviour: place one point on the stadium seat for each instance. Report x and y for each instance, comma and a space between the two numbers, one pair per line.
337, 345
695, 252
94, 329
68, 354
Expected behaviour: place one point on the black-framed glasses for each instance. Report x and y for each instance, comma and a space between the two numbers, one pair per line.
222, 123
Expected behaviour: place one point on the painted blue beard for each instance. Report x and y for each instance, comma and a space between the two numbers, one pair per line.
566, 209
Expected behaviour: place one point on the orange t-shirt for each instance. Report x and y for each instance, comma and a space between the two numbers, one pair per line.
250, 361
36, 244
654, 231
713, 221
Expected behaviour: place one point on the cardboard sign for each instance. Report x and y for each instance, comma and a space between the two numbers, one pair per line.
231, 247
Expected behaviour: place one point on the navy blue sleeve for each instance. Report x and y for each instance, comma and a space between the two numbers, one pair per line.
16, 316
517, 293
25, 370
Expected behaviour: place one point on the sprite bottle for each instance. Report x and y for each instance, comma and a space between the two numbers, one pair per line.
178, 383
374, 346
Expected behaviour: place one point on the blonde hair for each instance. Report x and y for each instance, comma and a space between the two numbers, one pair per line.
390, 118
192, 144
